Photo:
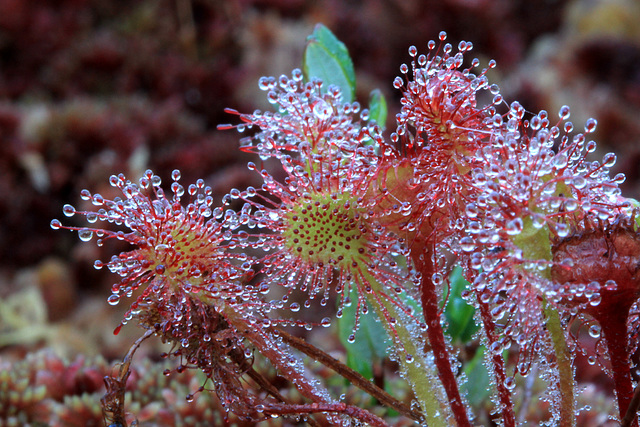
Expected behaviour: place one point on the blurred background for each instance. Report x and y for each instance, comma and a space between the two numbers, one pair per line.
90, 88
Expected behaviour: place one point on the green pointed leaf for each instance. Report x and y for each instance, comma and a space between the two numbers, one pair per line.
327, 58
377, 108
459, 314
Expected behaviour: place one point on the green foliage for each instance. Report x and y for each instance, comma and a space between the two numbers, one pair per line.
327, 58
371, 341
459, 314
478, 385
377, 107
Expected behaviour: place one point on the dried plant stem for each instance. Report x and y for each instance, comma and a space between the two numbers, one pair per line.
508, 415
567, 416
354, 377
114, 400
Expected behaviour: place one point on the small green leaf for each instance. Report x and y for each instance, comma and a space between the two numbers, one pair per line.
371, 341
327, 58
459, 314
377, 107
478, 385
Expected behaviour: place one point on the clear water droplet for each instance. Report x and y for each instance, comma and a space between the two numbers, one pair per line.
510, 383
322, 109
609, 160
85, 234
68, 210
467, 244
590, 125
564, 112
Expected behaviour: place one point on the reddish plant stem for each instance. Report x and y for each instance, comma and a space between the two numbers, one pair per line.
508, 415
632, 409
435, 334
614, 328
312, 408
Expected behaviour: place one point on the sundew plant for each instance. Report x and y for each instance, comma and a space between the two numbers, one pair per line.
472, 245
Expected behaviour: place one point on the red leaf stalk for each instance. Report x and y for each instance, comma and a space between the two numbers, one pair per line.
435, 334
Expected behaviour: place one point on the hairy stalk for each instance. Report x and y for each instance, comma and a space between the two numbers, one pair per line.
565, 370
244, 364
354, 377
508, 415
536, 244
417, 371
430, 307
435, 333
279, 357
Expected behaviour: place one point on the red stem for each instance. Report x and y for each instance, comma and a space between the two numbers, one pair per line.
614, 328
508, 415
312, 408
435, 334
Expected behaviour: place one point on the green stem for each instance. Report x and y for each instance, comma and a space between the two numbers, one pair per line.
536, 244
566, 384
418, 371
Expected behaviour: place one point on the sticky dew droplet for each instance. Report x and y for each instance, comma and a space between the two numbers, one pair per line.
510, 383
322, 110
85, 234
68, 210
